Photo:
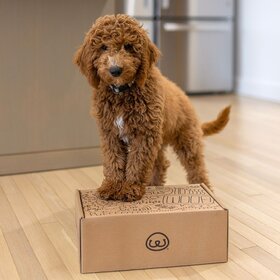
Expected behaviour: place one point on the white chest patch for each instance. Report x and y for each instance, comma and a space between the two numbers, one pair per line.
119, 123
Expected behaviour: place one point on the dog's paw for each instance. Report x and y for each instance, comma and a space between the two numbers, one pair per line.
108, 189
130, 192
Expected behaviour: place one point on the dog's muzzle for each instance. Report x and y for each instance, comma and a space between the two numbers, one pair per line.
122, 88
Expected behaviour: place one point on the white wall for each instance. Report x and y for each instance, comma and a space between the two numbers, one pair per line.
258, 48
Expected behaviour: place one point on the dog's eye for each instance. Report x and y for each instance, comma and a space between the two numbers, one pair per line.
128, 47
104, 48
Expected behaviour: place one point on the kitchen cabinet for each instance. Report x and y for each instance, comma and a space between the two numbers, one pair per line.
44, 101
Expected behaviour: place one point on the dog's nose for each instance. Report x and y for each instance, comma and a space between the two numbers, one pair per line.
115, 71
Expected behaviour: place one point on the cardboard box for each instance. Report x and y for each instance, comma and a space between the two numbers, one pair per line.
169, 226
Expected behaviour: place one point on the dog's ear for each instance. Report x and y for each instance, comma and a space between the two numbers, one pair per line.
154, 53
149, 57
84, 59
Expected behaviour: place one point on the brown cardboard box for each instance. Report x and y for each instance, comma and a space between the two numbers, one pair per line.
169, 226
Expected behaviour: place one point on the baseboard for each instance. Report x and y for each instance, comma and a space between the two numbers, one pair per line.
40, 161
259, 89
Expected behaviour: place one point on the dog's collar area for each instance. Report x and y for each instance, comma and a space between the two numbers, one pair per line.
122, 88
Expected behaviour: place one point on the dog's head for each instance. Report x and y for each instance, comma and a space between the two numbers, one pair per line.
117, 51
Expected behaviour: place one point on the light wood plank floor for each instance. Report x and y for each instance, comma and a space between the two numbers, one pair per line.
37, 229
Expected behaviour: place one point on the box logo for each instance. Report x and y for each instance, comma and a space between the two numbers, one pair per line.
157, 241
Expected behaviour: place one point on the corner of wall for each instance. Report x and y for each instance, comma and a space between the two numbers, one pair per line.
258, 89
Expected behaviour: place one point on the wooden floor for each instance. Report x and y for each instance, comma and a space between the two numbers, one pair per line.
37, 228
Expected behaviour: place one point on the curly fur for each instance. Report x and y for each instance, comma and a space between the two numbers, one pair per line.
136, 125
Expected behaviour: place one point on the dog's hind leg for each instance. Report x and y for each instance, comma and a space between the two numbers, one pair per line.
160, 168
189, 149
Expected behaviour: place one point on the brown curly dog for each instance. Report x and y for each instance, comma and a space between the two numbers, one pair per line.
138, 110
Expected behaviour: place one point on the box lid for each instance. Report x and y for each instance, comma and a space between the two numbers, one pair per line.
184, 198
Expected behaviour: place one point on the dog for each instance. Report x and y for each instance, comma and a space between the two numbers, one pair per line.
139, 111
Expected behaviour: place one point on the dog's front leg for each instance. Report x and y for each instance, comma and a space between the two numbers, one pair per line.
140, 161
114, 161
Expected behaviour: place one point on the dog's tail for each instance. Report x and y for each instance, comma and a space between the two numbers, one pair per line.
218, 124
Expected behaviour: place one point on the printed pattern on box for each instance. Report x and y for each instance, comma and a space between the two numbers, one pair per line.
156, 200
